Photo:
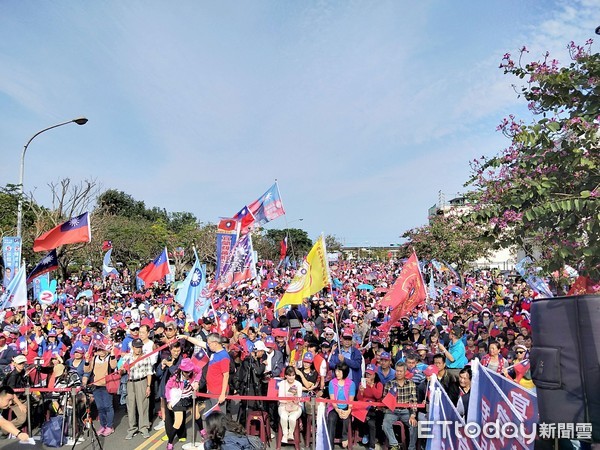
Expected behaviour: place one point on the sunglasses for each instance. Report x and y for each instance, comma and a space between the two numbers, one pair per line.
520, 352
170, 329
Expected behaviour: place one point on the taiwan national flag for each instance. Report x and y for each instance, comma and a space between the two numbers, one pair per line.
268, 206
76, 229
106, 246
156, 270
47, 264
246, 220
283, 249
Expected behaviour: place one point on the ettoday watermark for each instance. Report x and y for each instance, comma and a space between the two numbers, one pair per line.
506, 430
473, 430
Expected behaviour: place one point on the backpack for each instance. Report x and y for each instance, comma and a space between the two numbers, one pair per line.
52, 432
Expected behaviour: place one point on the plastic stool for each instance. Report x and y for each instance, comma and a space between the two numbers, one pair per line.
337, 440
297, 434
257, 424
403, 438
308, 437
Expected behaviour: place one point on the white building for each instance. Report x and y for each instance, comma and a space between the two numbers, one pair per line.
503, 259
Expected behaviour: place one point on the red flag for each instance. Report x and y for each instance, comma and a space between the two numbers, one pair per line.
156, 270
273, 388
406, 294
106, 246
360, 412
584, 285
390, 401
408, 288
283, 249
76, 229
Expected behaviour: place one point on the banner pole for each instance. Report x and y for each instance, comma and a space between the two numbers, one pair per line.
313, 403
194, 419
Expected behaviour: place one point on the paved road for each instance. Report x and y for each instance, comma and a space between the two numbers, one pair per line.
117, 440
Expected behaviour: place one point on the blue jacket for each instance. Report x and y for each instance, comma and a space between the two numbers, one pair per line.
354, 362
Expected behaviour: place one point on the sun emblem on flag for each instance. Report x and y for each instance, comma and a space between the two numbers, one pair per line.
47, 259
301, 279
74, 222
196, 277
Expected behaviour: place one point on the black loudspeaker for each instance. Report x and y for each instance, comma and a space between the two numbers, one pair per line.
565, 359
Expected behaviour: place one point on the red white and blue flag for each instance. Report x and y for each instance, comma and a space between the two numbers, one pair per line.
156, 270
76, 229
268, 206
246, 220
47, 264
283, 249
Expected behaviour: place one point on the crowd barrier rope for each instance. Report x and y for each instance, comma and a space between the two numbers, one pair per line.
72, 390
312, 400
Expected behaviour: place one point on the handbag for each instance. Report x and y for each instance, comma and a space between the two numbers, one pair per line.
113, 381
291, 407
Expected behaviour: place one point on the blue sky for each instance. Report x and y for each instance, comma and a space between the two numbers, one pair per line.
363, 111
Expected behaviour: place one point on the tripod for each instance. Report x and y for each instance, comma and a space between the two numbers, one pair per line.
86, 424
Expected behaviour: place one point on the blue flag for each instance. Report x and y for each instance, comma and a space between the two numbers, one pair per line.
106, 268
16, 291
190, 294
432, 289
525, 269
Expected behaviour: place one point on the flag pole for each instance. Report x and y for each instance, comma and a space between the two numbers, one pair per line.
24, 265
287, 229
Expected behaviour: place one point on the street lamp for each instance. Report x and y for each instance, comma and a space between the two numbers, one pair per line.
78, 121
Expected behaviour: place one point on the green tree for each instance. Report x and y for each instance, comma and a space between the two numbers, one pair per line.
332, 243
118, 203
9, 201
267, 244
180, 221
541, 193
449, 238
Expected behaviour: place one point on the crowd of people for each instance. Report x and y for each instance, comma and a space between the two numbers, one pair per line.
331, 346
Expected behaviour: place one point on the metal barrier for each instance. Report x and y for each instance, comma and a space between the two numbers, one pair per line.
73, 392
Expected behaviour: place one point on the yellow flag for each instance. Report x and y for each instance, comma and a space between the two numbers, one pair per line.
310, 278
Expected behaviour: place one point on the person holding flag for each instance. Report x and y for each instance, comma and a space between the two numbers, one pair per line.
403, 391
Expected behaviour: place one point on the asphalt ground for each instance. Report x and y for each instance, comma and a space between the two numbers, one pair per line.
117, 441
